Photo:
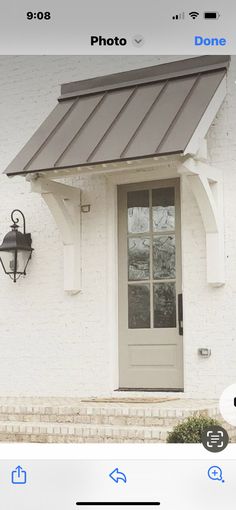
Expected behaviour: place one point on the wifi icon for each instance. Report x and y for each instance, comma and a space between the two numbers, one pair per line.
194, 14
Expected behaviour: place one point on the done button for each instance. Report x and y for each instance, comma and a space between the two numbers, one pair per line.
199, 40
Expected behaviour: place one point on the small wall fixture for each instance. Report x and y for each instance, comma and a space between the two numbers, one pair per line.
204, 352
16, 250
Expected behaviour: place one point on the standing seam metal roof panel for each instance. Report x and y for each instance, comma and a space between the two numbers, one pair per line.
143, 118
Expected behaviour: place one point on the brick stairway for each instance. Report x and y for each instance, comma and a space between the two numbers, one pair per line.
65, 420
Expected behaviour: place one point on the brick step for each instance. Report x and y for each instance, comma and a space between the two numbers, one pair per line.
132, 415
41, 432
95, 420
72, 420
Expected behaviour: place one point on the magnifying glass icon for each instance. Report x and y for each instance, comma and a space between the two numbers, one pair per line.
215, 473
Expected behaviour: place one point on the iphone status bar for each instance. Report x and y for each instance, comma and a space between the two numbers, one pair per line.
106, 27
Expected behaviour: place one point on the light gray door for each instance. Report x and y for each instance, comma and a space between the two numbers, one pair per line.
150, 343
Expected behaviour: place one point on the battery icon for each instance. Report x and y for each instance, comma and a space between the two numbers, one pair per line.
211, 15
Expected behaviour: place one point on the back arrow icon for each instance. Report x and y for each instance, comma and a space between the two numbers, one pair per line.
117, 475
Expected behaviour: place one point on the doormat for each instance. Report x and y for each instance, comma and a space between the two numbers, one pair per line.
129, 400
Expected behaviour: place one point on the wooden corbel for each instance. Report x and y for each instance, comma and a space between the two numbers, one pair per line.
207, 186
64, 203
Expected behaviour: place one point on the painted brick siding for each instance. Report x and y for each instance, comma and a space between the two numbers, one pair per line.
55, 344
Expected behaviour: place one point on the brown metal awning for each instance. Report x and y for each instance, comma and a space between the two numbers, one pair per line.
142, 113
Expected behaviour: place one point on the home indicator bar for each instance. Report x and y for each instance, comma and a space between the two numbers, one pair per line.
118, 503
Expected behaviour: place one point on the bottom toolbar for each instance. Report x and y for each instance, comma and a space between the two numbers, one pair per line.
69, 484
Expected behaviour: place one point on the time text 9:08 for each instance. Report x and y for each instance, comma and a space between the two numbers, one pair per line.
38, 15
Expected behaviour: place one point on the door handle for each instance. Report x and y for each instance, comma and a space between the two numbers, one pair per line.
180, 314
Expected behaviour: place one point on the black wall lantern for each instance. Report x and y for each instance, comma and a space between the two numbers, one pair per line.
15, 250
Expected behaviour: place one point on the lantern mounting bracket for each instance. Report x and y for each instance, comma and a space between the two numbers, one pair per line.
206, 183
64, 204
16, 221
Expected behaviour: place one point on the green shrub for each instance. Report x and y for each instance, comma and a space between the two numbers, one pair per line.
190, 430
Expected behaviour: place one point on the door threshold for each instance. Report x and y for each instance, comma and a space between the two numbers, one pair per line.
153, 390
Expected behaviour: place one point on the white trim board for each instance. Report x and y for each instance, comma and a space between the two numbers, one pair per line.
207, 119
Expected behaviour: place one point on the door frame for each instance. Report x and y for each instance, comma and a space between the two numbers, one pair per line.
113, 180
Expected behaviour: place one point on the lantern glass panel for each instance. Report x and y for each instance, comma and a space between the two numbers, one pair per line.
8, 260
14, 264
22, 260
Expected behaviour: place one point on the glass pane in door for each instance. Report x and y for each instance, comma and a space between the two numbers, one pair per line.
163, 209
164, 257
138, 211
138, 258
164, 299
139, 306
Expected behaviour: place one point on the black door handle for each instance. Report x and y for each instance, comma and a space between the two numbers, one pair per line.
180, 314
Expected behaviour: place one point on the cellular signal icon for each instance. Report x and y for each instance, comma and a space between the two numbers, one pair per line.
178, 16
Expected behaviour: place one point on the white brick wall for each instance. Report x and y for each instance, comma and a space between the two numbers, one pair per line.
210, 312
55, 344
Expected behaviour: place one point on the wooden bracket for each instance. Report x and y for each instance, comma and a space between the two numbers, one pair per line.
207, 186
64, 203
